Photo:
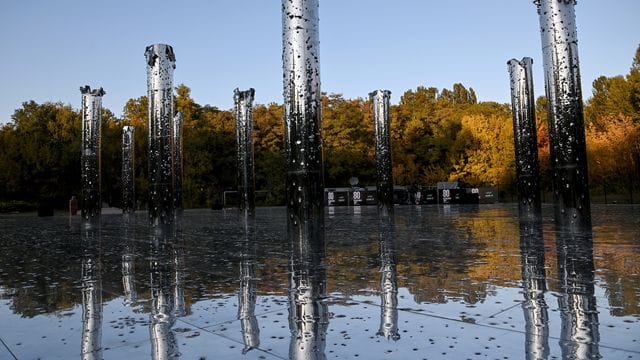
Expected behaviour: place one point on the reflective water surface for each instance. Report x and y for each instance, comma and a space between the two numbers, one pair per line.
428, 282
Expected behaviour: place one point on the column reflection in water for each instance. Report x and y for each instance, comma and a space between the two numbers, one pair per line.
565, 113
160, 66
308, 311
128, 262
177, 161
90, 157
388, 278
165, 292
524, 134
179, 305
91, 345
243, 101
247, 295
534, 286
380, 102
579, 335
128, 169
302, 108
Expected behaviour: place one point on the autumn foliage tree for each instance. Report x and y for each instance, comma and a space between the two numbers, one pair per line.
613, 133
436, 135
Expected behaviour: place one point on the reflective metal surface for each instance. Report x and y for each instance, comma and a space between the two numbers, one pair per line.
384, 168
248, 289
91, 291
580, 333
308, 309
534, 286
525, 135
243, 101
177, 161
129, 262
91, 109
565, 113
160, 65
128, 169
302, 108
452, 282
164, 291
388, 279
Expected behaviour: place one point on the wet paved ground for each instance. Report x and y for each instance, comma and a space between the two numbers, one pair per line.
436, 282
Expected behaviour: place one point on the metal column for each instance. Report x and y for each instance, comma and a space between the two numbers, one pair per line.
90, 158
566, 120
177, 161
243, 101
384, 167
302, 109
160, 66
525, 135
128, 169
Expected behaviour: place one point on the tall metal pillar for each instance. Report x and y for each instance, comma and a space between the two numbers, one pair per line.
302, 109
525, 135
384, 167
177, 161
90, 158
128, 170
566, 120
160, 66
245, 159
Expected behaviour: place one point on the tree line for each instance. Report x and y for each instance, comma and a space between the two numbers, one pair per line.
436, 134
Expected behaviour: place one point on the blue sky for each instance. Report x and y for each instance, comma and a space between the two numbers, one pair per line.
50, 48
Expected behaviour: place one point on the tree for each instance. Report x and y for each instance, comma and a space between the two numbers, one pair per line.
209, 158
348, 140
485, 148
633, 80
270, 164
544, 150
436, 135
136, 113
610, 96
184, 104
460, 94
613, 153
472, 96
111, 149
40, 153
613, 118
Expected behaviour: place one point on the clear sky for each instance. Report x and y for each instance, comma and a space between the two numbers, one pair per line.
49, 48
